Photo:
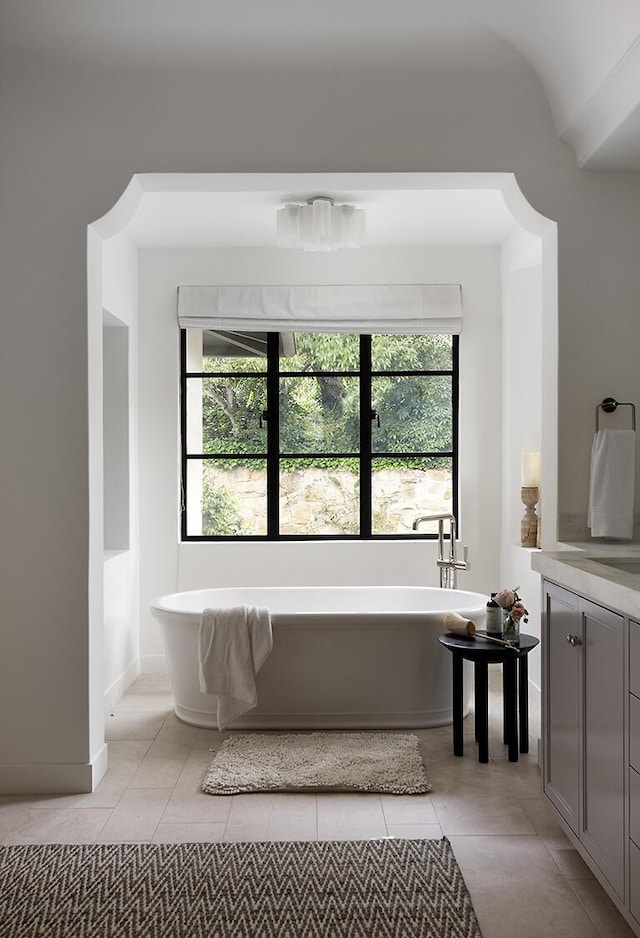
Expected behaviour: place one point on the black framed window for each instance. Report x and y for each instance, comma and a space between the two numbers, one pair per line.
316, 435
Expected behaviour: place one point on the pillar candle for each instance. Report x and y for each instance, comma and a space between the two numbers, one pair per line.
530, 470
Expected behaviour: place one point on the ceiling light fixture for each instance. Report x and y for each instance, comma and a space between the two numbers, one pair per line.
320, 225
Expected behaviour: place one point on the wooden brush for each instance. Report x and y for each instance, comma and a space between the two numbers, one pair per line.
458, 625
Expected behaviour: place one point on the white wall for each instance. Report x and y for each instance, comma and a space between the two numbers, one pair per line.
116, 456
114, 442
528, 377
167, 565
78, 133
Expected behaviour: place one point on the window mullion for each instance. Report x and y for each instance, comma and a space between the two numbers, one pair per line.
183, 434
273, 434
365, 435
455, 429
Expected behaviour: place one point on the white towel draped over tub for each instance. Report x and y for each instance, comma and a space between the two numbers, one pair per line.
611, 491
233, 645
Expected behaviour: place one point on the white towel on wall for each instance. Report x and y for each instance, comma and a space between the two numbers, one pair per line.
233, 645
611, 491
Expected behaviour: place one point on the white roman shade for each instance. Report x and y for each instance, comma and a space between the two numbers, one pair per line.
382, 308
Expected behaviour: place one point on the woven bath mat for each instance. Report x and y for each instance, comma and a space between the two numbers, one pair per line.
377, 888
369, 761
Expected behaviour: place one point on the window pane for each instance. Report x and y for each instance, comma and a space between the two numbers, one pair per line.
223, 415
319, 433
232, 351
411, 352
402, 489
226, 498
319, 414
319, 496
415, 414
319, 351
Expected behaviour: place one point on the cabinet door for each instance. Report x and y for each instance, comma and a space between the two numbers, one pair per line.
604, 771
562, 701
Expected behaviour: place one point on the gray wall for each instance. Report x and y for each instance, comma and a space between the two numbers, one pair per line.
73, 135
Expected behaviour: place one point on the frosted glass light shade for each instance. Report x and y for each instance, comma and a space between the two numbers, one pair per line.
320, 226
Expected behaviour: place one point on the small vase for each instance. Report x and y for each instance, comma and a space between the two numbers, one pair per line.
511, 629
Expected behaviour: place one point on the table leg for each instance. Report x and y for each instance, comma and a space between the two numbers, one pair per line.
481, 677
458, 694
511, 705
505, 710
523, 703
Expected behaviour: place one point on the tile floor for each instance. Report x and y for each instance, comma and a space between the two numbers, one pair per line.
524, 877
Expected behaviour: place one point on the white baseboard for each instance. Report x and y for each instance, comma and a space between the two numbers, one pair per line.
113, 693
53, 778
100, 765
147, 664
153, 664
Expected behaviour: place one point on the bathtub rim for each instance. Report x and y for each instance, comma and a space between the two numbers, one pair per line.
162, 609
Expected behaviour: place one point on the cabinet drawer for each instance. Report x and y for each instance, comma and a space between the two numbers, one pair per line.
634, 732
634, 658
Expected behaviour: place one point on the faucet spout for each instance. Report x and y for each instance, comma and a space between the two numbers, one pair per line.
441, 518
448, 566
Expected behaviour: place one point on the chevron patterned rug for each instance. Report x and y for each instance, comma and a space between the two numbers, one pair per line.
318, 761
321, 889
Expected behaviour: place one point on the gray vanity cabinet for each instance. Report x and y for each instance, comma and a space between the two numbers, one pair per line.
563, 707
584, 725
634, 768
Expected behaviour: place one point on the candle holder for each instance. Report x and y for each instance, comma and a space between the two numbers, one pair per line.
530, 495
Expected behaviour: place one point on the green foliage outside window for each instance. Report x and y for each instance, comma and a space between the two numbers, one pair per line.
320, 413
221, 514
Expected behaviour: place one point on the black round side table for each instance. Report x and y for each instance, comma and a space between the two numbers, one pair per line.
515, 690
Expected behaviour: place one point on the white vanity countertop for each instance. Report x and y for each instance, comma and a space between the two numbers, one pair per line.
580, 568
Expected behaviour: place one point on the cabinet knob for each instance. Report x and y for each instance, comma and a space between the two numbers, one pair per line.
574, 640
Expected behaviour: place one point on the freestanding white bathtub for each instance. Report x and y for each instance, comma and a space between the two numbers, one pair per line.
343, 657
